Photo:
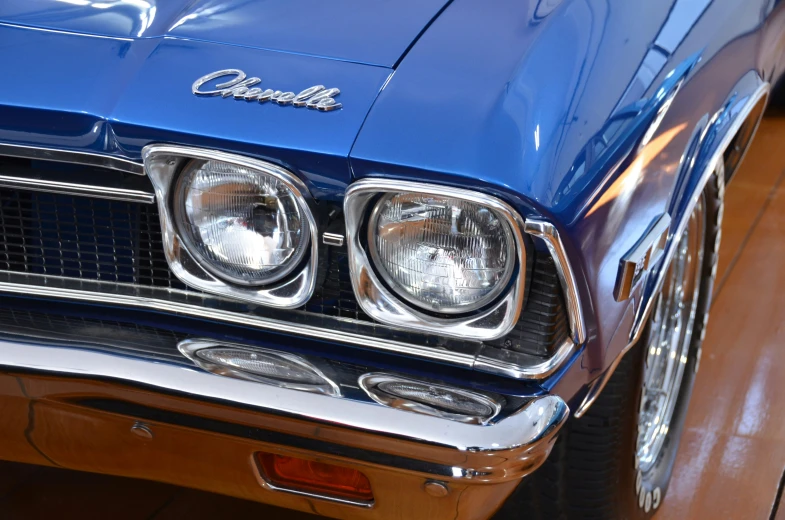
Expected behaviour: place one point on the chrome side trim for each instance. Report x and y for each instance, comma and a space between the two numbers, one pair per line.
162, 163
643, 256
598, 385
67, 188
503, 451
384, 306
548, 232
72, 156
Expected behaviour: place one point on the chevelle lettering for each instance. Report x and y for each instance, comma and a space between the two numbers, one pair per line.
243, 88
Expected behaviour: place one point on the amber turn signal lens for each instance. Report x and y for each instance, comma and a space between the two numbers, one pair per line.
315, 477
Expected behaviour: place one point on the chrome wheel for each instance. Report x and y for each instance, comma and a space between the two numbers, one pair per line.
669, 339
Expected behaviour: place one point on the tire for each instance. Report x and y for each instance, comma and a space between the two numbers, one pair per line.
593, 470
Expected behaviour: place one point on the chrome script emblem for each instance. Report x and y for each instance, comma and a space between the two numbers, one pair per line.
239, 87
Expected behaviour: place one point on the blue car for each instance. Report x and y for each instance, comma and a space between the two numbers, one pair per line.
376, 260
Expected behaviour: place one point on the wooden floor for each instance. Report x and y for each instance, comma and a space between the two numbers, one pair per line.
732, 456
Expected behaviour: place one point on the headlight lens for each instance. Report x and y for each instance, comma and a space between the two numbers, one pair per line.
444, 254
243, 225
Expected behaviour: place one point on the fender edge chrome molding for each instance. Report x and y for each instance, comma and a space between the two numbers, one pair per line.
713, 164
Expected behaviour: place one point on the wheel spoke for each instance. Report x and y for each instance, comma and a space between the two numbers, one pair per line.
670, 334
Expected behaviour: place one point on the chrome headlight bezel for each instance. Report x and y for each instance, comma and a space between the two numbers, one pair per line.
385, 306
163, 164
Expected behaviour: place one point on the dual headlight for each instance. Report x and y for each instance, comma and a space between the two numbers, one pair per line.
435, 259
243, 225
422, 257
442, 254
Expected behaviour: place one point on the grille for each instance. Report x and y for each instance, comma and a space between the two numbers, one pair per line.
543, 323
85, 238
120, 243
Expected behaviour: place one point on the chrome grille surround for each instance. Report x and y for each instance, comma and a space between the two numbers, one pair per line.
315, 320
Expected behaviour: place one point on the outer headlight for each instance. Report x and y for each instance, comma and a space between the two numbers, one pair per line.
243, 225
443, 254
458, 253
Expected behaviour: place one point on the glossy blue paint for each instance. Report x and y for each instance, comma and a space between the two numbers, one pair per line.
372, 32
544, 103
114, 96
548, 111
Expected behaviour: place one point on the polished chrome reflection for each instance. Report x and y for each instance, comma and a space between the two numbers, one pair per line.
76, 188
163, 162
258, 364
72, 157
638, 260
499, 452
429, 398
668, 343
550, 235
384, 305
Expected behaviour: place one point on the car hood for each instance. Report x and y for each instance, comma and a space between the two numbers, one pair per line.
376, 33
115, 95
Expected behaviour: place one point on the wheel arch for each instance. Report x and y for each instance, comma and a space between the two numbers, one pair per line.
734, 124
721, 144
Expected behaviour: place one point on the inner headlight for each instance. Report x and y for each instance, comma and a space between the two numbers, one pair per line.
444, 254
243, 225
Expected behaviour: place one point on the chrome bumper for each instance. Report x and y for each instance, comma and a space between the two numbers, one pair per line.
76, 408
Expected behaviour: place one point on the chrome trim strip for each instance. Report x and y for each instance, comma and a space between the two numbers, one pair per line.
71, 156
162, 163
522, 366
548, 232
596, 387
502, 451
484, 358
384, 306
68, 188
460, 359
